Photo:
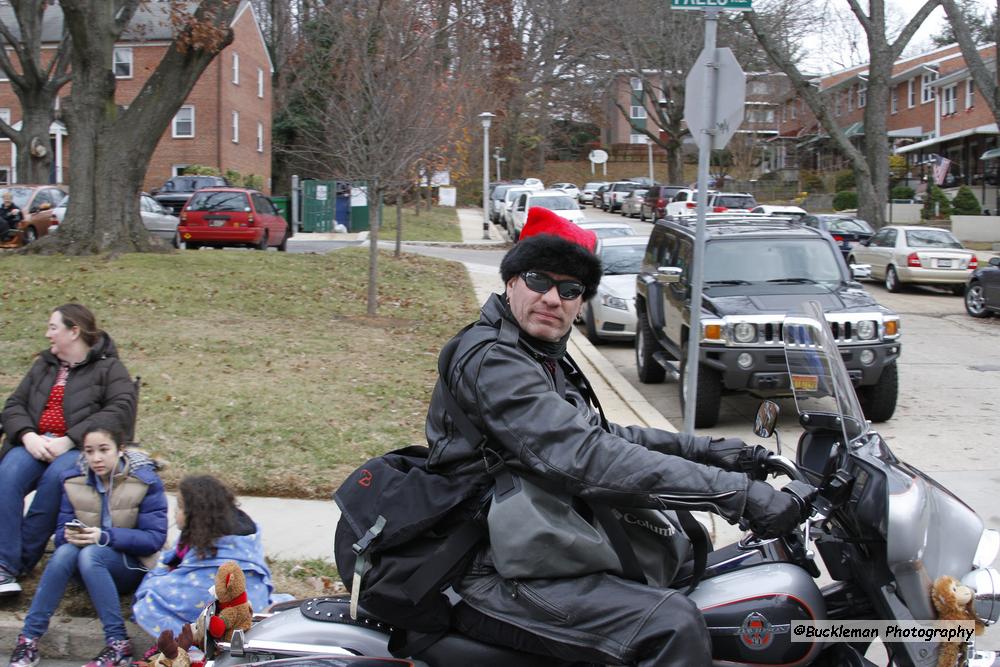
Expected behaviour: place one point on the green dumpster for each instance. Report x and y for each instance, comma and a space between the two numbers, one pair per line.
359, 207
283, 204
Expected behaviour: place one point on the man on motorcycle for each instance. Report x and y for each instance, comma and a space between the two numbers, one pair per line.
539, 421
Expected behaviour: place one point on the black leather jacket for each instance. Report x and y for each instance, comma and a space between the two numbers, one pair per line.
511, 397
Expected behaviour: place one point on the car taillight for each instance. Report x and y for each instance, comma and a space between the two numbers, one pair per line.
974, 262
691, 204
184, 217
913, 260
838, 238
719, 209
660, 203
250, 219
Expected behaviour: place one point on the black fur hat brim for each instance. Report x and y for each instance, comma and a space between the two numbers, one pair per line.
554, 254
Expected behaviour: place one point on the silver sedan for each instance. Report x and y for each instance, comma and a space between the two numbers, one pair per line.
916, 255
611, 313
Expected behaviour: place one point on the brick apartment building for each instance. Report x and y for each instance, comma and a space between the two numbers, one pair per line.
225, 122
764, 92
934, 110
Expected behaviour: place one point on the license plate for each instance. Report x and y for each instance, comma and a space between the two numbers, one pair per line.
944, 263
805, 382
216, 223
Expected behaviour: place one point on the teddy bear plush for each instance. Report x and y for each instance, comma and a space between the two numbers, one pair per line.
953, 601
231, 610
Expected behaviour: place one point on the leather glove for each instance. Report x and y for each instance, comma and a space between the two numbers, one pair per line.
737, 456
772, 513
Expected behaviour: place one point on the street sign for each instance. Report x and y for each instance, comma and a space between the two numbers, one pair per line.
598, 156
739, 5
729, 94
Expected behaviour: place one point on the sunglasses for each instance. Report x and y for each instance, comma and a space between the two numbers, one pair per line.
542, 283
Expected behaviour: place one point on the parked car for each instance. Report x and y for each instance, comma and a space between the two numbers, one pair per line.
756, 271
507, 211
685, 202
615, 195
569, 189
905, 254
731, 202
846, 230
556, 201
654, 205
611, 313
632, 204
598, 199
608, 229
35, 203
497, 195
533, 184
176, 191
982, 293
783, 211
220, 217
588, 190
155, 219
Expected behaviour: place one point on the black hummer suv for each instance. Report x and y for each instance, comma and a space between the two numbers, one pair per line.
757, 269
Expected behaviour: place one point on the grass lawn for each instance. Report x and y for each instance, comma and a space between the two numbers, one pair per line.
260, 368
438, 224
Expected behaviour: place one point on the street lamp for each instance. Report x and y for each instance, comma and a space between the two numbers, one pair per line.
486, 117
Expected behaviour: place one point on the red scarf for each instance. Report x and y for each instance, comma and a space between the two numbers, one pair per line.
235, 602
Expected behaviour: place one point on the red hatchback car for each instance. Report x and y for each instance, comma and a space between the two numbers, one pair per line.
220, 217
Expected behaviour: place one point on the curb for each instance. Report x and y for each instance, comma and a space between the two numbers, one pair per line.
69, 637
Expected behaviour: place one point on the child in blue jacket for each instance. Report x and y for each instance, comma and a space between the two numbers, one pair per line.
112, 523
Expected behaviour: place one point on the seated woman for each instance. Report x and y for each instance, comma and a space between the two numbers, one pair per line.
73, 385
112, 522
213, 530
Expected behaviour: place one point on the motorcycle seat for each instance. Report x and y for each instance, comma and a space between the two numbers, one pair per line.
456, 649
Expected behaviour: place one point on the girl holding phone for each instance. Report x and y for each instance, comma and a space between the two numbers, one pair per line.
112, 522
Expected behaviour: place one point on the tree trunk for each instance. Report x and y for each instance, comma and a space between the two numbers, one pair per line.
112, 145
373, 224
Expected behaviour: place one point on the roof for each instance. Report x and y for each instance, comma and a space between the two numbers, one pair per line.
991, 128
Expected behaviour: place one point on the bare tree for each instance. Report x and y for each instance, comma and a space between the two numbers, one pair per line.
374, 100
871, 165
35, 82
985, 79
112, 145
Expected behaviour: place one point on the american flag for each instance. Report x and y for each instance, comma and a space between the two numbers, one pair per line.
941, 165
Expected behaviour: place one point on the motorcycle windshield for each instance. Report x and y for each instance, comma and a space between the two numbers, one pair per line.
819, 379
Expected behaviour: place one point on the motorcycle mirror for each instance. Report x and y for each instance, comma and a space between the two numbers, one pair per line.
766, 420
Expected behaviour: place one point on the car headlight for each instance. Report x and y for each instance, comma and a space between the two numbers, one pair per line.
745, 332
866, 329
614, 302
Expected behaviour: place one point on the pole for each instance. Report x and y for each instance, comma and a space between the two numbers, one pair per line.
486, 177
649, 152
295, 202
496, 156
704, 152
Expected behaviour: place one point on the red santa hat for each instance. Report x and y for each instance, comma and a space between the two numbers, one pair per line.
552, 243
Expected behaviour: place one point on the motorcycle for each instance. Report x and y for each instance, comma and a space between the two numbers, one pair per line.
884, 530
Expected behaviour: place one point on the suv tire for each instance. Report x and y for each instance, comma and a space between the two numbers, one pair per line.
709, 400
649, 370
975, 301
892, 280
878, 401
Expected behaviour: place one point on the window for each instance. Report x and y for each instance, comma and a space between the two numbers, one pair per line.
911, 97
236, 68
970, 94
850, 99
260, 82
4, 175
836, 103
636, 83
637, 111
949, 98
5, 115
178, 169
894, 102
795, 109
926, 90
260, 137
758, 88
635, 138
760, 115
236, 127
862, 96
183, 127
123, 63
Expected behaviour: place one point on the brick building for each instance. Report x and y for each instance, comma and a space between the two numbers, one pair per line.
224, 123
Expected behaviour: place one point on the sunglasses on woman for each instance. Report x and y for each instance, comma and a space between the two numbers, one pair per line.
542, 283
